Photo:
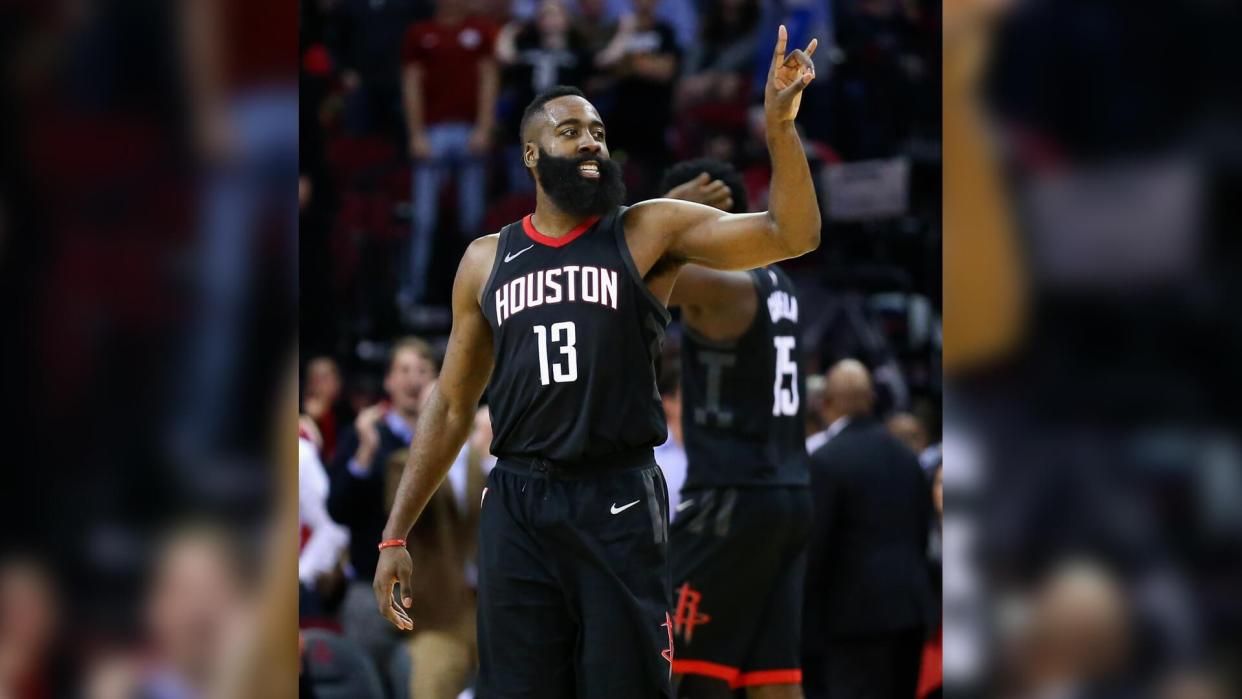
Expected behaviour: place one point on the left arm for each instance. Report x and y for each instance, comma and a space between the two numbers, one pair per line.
687, 232
718, 305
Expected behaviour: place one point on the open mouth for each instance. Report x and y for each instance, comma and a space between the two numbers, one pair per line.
589, 169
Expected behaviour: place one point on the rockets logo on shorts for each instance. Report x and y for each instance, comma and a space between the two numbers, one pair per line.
668, 654
688, 615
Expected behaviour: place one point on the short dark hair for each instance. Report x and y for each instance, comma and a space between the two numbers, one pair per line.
413, 344
536, 105
687, 170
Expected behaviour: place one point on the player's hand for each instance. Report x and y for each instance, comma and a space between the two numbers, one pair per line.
704, 190
395, 568
787, 78
420, 148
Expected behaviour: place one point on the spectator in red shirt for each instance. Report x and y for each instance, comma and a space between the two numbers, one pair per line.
449, 85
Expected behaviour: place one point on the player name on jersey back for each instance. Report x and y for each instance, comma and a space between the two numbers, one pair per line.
566, 284
782, 306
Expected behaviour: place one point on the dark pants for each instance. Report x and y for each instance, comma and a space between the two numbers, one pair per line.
873, 667
573, 583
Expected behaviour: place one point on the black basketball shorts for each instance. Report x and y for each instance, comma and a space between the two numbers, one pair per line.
574, 581
738, 558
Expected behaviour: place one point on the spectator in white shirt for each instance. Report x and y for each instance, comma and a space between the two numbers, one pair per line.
325, 540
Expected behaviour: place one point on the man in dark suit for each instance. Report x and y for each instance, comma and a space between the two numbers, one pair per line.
868, 597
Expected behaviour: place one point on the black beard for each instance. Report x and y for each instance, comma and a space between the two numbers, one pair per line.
577, 195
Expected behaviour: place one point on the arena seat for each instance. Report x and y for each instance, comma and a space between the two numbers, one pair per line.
338, 668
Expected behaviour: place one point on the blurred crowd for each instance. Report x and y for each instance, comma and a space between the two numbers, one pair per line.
1092, 448
352, 453
410, 150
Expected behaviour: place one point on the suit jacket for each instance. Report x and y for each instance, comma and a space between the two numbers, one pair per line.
866, 562
357, 502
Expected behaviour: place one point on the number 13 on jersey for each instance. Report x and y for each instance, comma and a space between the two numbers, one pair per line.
562, 372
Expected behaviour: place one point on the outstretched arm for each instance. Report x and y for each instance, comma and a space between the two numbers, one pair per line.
687, 232
443, 426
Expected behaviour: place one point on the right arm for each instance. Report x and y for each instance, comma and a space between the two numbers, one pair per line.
717, 304
443, 426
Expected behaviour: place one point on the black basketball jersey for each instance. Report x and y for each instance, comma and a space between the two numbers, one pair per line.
576, 333
742, 400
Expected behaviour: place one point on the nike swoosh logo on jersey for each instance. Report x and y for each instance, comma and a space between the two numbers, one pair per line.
683, 505
618, 510
514, 255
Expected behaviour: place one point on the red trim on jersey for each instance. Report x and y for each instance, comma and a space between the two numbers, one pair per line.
762, 677
735, 677
702, 667
528, 225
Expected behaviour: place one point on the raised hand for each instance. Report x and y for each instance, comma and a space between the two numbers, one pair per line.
787, 78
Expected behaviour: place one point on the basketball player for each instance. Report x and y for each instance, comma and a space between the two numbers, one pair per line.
565, 312
738, 546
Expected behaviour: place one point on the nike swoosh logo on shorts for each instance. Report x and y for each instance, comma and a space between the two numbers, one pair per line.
514, 255
683, 505
618, 510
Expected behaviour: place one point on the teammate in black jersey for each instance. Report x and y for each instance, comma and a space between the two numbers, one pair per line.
738, 545
564, 312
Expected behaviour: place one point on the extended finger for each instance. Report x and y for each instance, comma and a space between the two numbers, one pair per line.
810, 48
778, 54
399, 618
407, 589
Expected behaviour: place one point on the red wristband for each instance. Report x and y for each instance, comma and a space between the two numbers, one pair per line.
390, 543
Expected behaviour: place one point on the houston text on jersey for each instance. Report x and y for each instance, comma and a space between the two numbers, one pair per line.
571, 283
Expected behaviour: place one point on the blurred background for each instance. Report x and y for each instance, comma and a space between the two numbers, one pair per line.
1090, 188
409, 150
148, 271
1093, 478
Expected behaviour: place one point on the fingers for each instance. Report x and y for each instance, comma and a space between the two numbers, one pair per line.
399, 617
801, 60
702, 179
716, 193
810, 48
798, 85
389, 609
806, 71
778, 54
384, 600
407, 589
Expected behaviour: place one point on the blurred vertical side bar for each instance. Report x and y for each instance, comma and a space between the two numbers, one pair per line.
1093, 455
148, 239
